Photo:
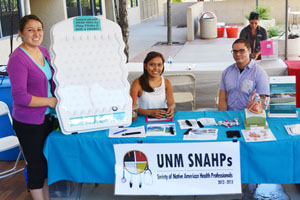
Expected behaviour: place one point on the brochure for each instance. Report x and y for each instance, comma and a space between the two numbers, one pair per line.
187, 123
283, 96
161, 129
202, 134
293, 129
207, 121
258, 135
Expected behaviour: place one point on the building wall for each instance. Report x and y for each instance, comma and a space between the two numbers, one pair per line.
134, 15
109, 10
178, 13
5, 48
50, 12
193, 26
234, 11
148, 9
161, 7
5, 43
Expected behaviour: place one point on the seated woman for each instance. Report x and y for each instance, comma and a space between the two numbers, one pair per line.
153, 92
254, 34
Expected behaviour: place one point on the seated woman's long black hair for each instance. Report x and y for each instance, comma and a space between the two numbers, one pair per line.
144, 78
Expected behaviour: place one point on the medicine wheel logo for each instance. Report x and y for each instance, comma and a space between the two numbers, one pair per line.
135, 163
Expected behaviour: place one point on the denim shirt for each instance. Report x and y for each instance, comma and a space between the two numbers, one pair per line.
237, 85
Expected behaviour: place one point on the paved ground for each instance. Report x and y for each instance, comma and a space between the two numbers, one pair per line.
143, 38
106, 192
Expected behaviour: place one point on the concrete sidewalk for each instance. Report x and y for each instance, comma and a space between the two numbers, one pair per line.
144, 37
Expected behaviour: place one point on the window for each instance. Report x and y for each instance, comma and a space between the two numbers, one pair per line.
83, 7
132, 3
98, 7
9, 17
86, 7
72, 9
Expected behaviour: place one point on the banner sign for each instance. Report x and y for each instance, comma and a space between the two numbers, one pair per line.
205, 168
86, 23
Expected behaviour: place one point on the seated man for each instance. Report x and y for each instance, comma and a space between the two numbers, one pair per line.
240, 78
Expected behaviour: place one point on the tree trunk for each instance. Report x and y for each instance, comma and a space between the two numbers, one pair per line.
169, 22
122, 19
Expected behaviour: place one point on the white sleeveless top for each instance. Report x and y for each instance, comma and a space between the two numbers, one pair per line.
156, 99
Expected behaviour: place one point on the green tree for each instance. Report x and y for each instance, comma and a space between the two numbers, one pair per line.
71, 3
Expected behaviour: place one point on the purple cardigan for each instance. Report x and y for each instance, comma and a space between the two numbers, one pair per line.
28, 79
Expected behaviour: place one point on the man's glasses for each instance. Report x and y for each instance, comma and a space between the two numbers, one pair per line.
241, 51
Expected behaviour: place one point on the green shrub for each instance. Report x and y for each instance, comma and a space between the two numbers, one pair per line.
176, 1
275, 31
263, 11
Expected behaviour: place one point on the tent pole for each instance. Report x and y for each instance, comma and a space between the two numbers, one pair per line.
286, 29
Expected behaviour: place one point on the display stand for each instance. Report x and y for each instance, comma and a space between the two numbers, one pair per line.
90, 74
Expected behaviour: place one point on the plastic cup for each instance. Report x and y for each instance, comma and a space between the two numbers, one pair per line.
134, 113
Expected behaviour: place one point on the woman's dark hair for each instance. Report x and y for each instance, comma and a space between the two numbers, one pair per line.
144, 78
25, 20
254, 15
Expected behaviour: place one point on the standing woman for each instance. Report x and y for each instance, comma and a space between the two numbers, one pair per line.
153, 92
32, 88
254, 34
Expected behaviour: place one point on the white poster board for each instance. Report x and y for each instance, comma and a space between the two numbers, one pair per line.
90, 74
205, 168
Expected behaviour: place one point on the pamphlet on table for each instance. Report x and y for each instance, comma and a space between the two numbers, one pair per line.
161, 129
187, 123
202, 134
194, 124
258, 135
293, 129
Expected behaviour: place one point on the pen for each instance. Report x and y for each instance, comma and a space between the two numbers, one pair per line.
172, 130
131, 133
188, 123
120, 131
200, 124
187, 131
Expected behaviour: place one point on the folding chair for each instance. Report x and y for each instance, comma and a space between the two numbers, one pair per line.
181, 83
9, 142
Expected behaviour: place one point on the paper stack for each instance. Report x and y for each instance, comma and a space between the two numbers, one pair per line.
293, 129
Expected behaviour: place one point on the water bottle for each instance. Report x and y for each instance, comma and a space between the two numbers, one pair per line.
170, 62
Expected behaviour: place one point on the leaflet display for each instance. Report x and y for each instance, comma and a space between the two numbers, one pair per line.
283, 96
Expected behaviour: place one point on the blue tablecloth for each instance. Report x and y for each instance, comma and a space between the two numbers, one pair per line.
89, 157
